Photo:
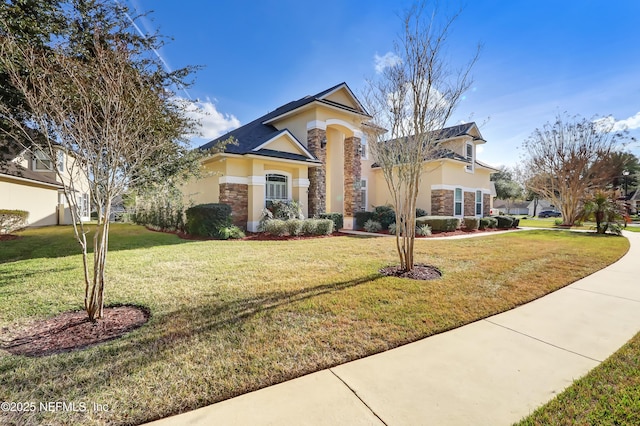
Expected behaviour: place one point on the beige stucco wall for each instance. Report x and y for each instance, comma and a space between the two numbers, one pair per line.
343, 97
39, 200
335, 170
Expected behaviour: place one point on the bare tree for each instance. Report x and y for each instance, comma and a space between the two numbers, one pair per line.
413, 98
108, 112
569, 159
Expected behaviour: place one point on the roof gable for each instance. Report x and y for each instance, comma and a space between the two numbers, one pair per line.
284, 141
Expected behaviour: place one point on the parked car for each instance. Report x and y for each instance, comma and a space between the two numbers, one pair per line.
550, 213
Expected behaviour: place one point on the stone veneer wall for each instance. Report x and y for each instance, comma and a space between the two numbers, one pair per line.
469, 204
237, 196
441, 202
486, 204
317, 175
352, 176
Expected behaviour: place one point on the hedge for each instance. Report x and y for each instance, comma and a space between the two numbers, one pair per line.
504, 222
207, 220
12, 220
362, 218
488, 222
470, 223
337, 218
439, 223
385, 215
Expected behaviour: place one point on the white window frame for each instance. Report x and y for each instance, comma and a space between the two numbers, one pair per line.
288, 180
479, 203
471, 158
41, 161
455, 201
364, 149
364, 191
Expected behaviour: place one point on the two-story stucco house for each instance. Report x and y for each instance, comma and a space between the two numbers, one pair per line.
28, 181
314, 150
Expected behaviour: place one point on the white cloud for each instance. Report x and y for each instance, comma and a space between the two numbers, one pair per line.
630, 123
213, 123
389, 59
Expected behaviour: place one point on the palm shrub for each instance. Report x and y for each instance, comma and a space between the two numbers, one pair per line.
372, 226
603, 211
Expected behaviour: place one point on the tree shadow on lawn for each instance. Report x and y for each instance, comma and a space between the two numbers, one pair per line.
55, 242
156, 342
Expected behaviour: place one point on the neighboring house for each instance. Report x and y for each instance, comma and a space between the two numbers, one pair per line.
536, 206
314, 150
634, 202
511, 207
28, 181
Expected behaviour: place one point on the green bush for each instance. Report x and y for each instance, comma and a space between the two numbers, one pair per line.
208, 220
470, 223
488, 222
294, 227
372, 226
362, 218
504, 222
285, 210
558, 222
423, 230
421, 212
440, 223
309, 226
337, 219
231, 232
393, 229
385, 215
277, 227
12, 220
516, 222
324, 227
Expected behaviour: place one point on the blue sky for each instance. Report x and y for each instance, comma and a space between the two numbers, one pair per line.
539, 58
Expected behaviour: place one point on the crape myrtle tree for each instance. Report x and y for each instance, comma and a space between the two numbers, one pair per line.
97, 94
413, 98
569, 159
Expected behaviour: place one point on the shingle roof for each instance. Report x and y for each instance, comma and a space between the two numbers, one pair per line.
252, 135
15, 170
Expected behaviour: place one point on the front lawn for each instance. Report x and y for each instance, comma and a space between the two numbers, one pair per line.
608, 395
229, 317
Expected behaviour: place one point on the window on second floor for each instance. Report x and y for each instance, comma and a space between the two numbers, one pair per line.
469, 156
41, 161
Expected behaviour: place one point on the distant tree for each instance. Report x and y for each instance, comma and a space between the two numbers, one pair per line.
99, 95
507, 188
413, 98
625, 168
569, 159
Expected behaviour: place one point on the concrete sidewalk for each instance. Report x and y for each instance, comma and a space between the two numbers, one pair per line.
491, 372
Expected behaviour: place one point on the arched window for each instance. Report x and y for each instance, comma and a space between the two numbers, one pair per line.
277, 187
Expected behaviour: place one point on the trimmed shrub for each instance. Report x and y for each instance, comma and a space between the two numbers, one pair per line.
488, 222
362, 218
385, 215
12, 220
421, 212
275, 227
558, 222
337, 219
504, 222
309, 226
324, 227
440, 223
294, 227
516, 222
372, 226
470, 223
208, 219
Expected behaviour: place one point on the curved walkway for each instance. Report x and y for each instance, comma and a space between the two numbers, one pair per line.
491, 372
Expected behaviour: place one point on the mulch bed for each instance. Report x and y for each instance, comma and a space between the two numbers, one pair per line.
419, 272
9, 237
71, 331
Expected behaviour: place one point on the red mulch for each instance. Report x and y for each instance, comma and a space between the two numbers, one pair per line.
419, 272
71, 331
9, 237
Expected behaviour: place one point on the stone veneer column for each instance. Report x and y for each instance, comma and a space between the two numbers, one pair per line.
486, 204
317, 175
352, 176
237, 196
441, 202
469, 204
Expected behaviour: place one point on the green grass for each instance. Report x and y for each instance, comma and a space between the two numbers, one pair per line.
608, 395
229, 317
550, 222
